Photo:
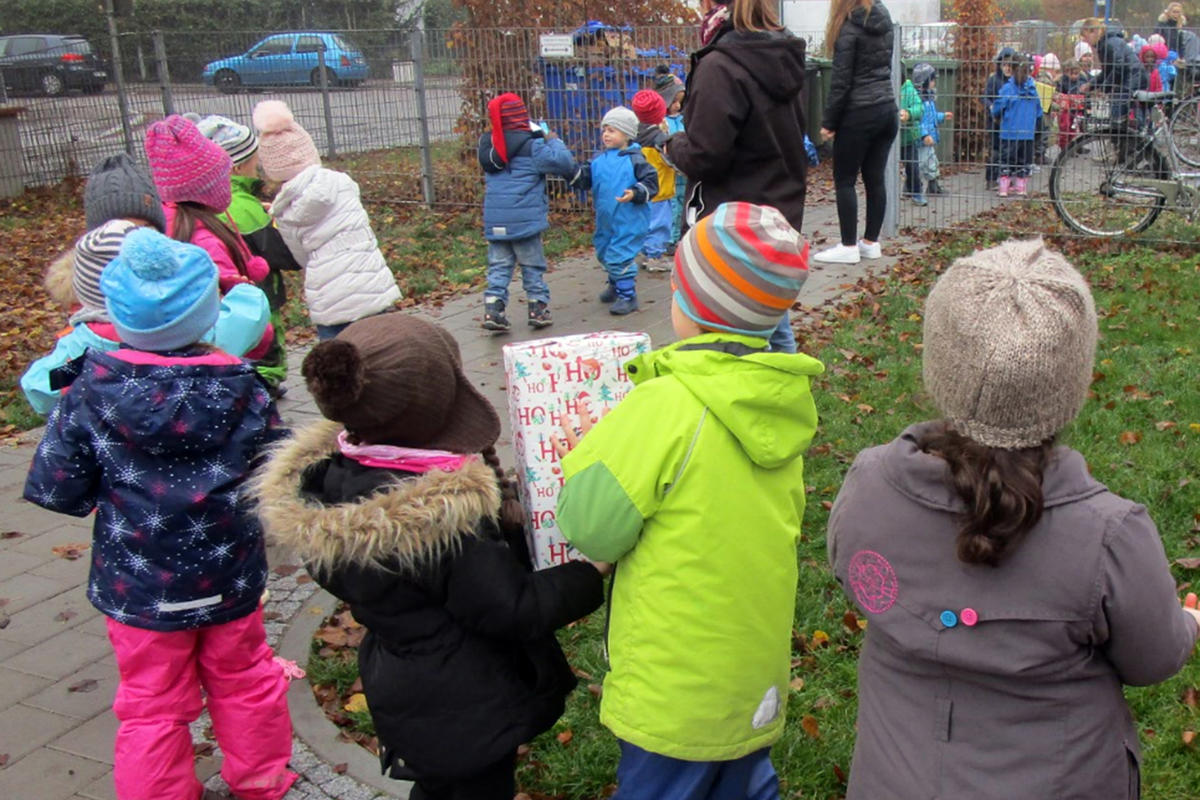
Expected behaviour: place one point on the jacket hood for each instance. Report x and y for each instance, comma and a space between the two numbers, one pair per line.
417, 519
1004, 54
762, 398
490, 160
775, 59
292, 192
876, 20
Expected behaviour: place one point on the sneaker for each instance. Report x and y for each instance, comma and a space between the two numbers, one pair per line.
657, 264
839, 254
869, 251
934, 187
623, 306
609, 294
1022, 187
539, 315
919, 200
493, 316
1005, 182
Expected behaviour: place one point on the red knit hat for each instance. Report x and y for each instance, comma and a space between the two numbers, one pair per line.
649, 106
507, 113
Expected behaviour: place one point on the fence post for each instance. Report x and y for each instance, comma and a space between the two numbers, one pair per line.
164, 74
891, 175
119, 76
331, 145
418, 56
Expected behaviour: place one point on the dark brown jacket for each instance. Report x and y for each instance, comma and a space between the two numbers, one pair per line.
1025, 703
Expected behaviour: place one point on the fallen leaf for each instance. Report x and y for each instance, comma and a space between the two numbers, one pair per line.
283, 570
850, 620
65, 615
523, 750
357, 703
837, 773
797, 684
1190, 697
596, 689
85, 685
820, 638
341, 767
1188, 563
809, 723
3, 759
1164, 425
70, 551
1188, 737
11, 535
827, 505
1130, 437
565, 737
202, 749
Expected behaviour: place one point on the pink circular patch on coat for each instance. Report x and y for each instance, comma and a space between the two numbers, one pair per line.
873, 581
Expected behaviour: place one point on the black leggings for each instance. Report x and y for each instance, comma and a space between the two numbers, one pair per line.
864, 137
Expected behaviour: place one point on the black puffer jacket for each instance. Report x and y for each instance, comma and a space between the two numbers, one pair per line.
862, 65
1121, 70
460, 665
743, 119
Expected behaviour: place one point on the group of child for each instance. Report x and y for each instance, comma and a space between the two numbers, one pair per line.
636, 192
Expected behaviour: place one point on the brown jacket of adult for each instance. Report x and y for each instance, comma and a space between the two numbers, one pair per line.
996, 683
743, 118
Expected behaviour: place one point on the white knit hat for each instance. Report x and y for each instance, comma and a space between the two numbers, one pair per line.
284, 148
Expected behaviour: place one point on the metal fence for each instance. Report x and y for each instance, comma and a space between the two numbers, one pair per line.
407, 119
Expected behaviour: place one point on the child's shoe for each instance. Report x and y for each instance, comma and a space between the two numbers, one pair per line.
657, 264
934, 187
839, 254
1022, 187
919, 200
623, 306
493, 315
1005, 182
539, 315
609, 294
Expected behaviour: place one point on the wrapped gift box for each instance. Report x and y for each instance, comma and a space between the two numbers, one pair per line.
546, 379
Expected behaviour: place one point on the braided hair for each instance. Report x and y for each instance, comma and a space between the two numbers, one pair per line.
512, 514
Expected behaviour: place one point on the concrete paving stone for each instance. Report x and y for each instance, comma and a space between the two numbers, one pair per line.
22, 515
24, 729
22, 591
97, 625
93, 739
17, 686
9, 649
13, 475
80, 705
102, 788
15, 563
43, 544
15, 456
71, 572
48, 775
60, 656
62, 612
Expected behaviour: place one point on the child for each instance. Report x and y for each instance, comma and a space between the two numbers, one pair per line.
1150, 62
1051, 68
925, 78
995, 82
702, 508
1043, 83
672, 91
157, 437
1008, 595
399, 507
247, 215
322, 219
516, 157
1069, 100
1019, 109
622, 183
910, 137
651, 111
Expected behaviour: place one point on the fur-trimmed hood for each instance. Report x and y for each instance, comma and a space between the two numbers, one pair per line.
418, 519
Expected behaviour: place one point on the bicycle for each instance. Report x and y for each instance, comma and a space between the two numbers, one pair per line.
1115, 181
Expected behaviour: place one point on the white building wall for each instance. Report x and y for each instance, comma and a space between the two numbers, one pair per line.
807, 18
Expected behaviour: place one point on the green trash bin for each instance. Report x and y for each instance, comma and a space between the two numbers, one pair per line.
817, 73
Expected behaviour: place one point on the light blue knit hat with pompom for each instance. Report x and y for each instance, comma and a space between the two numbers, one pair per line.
161, 294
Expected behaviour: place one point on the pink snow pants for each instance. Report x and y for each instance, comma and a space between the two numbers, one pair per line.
159, 694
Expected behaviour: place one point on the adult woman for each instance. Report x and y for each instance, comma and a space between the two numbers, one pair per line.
1009, 594
1170, 23
743, 119
1121, 73
862, 119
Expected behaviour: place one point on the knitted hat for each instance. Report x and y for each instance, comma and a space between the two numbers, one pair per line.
118, 188
1082, 49
740, 269
1010, 335
237, 140
649, 107
397, 379
507, 113
187, 167
668, 87
623, 120
93, 252
284, 148
1050, 62
161, 294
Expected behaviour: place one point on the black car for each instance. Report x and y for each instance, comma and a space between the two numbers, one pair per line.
50, 64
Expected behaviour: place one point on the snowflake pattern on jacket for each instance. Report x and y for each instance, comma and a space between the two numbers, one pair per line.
159, 446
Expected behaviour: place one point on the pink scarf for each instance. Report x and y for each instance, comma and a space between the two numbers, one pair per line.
712, 22
408, 459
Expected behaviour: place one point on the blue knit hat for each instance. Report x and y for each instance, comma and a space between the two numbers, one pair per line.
161, 294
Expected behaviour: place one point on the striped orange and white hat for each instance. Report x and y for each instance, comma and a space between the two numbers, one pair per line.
740, 269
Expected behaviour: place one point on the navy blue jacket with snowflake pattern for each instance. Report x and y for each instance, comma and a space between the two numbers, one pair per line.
159, 446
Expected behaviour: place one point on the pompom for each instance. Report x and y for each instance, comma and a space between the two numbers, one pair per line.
58, 282
149, 254
271, 116
335, 374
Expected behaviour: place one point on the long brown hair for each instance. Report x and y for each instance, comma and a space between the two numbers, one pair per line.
839, 12
754, 16
1002, 490
187, 215
512, 513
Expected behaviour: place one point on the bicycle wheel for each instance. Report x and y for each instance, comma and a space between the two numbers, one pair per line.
1097, 192
1185, 130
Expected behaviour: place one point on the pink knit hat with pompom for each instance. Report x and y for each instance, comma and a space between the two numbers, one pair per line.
284, 148
186, 166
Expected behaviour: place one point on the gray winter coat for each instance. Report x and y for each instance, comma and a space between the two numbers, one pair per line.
995, 683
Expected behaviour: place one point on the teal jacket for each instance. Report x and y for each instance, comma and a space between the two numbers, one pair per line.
910, 101
694, 486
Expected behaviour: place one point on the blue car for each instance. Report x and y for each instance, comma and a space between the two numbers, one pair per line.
289, 59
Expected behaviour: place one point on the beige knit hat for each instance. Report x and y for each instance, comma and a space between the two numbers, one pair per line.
1010, 337
284, 148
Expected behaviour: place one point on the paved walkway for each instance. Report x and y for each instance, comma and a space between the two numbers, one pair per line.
57, 673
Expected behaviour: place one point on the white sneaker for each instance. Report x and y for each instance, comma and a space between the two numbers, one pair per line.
869, 251
839, 254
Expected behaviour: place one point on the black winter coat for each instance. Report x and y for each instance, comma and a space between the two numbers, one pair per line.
1170, 31
743, 119
460, 665
862, 66
1122, 72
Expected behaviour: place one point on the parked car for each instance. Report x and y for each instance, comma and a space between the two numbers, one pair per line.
50, 63
290, 59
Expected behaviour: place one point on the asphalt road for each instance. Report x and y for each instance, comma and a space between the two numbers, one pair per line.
66, 135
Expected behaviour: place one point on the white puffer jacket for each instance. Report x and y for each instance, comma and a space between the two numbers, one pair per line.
324, 224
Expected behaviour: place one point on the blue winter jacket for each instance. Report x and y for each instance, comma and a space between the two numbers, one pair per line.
1019, 109
674, 124
159, 446
931, 118
514, 202
620, 227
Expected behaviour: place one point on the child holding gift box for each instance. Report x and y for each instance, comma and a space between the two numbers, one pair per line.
698, 507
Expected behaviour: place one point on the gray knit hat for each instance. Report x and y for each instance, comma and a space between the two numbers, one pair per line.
622, 119
119, 188
1010, 337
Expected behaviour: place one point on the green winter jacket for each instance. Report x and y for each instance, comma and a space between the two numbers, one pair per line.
694, 485
245, 210
910, 101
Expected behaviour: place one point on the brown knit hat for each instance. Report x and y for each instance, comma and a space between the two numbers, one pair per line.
396, 379
1010, 338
